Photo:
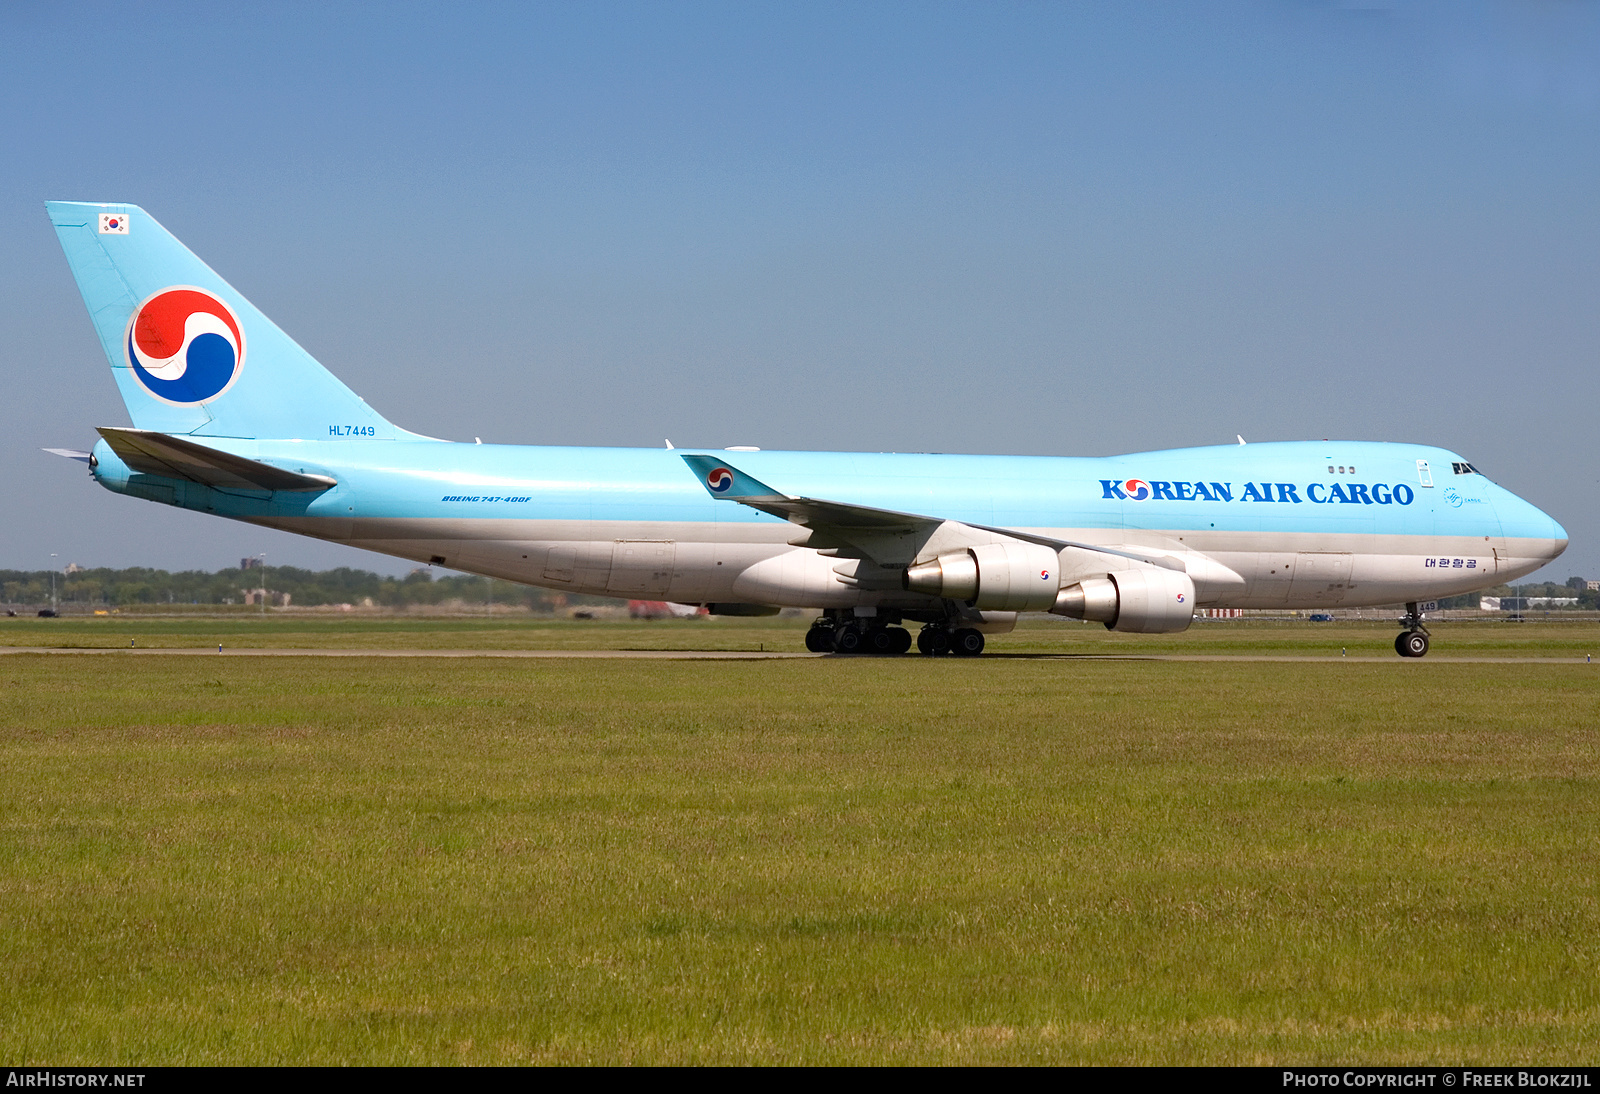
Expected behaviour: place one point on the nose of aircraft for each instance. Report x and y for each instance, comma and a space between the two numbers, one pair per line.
1558, 537
1530, 531
1530, 538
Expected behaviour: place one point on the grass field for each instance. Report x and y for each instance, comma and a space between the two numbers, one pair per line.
1036, 635
296, 860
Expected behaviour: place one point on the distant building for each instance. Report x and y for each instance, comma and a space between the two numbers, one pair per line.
660, 609
73, 568
1523, 603
1592, 586
253, 596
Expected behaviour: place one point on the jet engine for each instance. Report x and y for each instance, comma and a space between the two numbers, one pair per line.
1149, 600
1000, 577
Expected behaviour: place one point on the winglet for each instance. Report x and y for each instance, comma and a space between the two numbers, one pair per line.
722, 480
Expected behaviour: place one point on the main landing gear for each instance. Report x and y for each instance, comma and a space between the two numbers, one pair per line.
1413, 641
847, 634
936, 639
829, 635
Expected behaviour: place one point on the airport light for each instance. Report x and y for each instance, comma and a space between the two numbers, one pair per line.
263, 559
53, 557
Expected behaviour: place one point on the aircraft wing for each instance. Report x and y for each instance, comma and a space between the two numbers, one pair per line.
884, 536
177, 458
722, 480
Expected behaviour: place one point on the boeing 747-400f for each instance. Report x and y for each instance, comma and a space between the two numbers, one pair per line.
231, 417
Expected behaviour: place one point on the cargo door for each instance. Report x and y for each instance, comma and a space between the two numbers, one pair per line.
641, 567
1319, 578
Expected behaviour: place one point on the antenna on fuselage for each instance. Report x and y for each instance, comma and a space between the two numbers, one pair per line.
1240, 436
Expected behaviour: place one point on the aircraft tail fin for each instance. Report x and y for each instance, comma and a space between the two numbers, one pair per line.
189, 353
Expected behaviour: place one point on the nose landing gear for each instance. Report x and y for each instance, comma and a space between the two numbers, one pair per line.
1413, 641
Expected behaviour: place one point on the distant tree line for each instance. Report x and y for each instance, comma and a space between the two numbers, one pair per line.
1588, 599
107, 588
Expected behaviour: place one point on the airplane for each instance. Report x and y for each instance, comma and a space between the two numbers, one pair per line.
232, 417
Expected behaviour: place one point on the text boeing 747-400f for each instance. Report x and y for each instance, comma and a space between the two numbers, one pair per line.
230, 416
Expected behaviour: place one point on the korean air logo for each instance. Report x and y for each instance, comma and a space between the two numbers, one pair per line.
185, 346
720, 480
1136, 489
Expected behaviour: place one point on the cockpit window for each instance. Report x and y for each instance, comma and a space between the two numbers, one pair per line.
1464, 469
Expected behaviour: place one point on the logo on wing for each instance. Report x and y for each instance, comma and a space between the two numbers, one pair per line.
185, 346
1136, 489
720, 480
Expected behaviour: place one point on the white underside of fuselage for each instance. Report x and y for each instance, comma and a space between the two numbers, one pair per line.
755, 563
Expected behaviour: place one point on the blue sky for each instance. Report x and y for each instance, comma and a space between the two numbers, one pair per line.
1033, 228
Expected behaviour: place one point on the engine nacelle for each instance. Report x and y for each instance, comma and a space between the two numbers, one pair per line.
1148, 600
1000, 577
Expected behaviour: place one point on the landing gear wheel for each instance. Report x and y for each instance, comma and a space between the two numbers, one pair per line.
848, 640
820, 640
1411, 644
966, 642
1413, 641
880, 641
901, 640
933, 641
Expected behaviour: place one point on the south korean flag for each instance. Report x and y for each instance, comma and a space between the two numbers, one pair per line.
113, 224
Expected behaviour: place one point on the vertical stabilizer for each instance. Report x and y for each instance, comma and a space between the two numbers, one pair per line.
190, 355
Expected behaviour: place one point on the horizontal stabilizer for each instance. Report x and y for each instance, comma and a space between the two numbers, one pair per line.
160, 454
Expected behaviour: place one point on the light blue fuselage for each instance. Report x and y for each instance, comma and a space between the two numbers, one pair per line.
502, 510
